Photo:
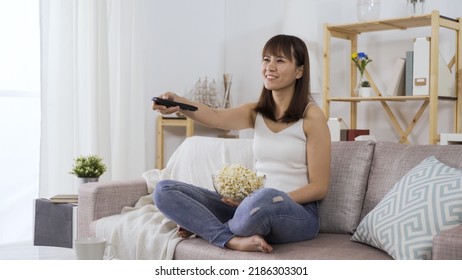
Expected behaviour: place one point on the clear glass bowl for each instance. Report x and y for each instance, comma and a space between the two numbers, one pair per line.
236, 193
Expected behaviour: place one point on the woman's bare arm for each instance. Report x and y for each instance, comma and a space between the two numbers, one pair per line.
240, 117
318, 152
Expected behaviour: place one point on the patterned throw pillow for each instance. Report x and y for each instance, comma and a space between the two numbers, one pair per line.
427, 200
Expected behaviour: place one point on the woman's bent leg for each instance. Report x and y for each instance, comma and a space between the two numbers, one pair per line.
275, 216
196, 209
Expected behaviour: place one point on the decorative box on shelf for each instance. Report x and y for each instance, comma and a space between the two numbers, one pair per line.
351, 134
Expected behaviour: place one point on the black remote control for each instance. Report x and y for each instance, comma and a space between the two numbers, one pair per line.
168, 103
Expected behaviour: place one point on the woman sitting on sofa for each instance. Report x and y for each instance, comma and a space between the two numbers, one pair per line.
291, 148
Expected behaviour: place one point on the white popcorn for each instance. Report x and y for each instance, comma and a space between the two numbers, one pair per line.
236, 181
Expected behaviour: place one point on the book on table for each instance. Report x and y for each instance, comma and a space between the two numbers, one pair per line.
65, 198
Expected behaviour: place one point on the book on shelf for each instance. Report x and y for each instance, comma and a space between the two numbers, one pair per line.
65, 198
396, 86
408, 75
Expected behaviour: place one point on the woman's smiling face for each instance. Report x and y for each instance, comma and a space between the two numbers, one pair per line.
280, 72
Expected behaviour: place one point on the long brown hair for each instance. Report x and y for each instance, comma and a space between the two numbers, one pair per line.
293, 48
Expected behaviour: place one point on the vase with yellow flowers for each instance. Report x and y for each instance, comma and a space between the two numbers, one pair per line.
361, 59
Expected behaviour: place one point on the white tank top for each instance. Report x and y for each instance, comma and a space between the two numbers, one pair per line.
281, 156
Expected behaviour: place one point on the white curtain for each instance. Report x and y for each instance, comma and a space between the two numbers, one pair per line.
93, 90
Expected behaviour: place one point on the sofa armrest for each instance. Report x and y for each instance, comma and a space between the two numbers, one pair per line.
448, 244
102, 199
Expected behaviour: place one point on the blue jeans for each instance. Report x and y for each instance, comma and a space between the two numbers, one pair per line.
267, 212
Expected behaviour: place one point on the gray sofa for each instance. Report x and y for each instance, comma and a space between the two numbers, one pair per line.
362, 173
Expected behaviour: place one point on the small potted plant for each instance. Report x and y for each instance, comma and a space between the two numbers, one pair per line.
88, 168
361, 60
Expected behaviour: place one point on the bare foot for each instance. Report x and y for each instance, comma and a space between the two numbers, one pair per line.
254, 243
183, 233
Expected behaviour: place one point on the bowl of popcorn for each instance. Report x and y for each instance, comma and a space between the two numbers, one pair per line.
236, 182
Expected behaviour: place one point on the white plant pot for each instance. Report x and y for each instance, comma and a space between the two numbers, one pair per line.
365, 92
87, 180
80, 181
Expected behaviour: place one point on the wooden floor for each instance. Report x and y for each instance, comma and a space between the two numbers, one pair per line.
27, 251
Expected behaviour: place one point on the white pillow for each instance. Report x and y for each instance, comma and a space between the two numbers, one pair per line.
426, 201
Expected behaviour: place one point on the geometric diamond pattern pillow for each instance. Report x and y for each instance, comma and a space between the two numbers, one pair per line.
427, 200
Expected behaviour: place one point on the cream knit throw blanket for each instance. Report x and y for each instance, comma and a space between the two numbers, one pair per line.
142, 232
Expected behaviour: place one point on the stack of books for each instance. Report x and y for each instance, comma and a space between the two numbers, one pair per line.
65, 198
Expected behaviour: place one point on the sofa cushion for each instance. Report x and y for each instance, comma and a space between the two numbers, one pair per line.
340, 211
448, 244
326, 246
427, 200
393, 160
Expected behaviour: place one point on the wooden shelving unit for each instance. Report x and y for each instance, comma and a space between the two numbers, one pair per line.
351, 32
162, 122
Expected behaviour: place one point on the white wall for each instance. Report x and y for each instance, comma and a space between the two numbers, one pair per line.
192, 40
186, 43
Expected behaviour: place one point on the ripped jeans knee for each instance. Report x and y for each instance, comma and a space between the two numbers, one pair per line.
273, 214
263, 197
253, 216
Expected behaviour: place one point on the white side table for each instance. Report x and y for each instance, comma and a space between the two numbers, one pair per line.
54, 224
451, 139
